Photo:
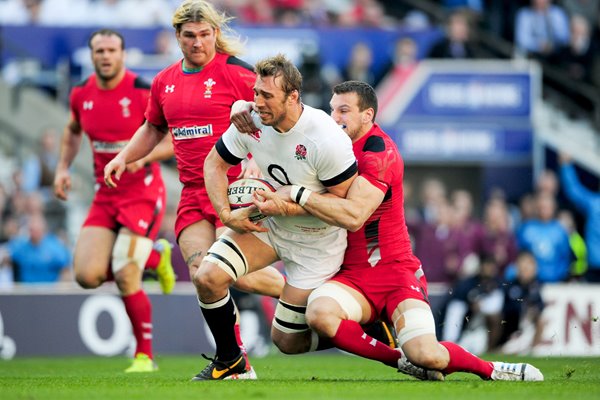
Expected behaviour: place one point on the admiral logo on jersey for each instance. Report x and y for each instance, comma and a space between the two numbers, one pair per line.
192, 132
209, 84
108, 147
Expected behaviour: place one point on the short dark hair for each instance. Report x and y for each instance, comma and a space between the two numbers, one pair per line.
279, 65
106, 32
365, 92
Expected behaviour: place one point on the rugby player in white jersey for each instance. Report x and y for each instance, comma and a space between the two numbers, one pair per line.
296, 144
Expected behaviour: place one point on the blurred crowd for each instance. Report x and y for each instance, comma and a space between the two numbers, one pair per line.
492, 266
561, 33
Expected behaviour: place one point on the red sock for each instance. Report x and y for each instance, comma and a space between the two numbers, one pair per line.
463, 361
139, 310
153, 260
238, 339
350, 337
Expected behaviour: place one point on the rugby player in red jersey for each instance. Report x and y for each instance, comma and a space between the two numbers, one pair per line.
191, 100
380, 277
121, 224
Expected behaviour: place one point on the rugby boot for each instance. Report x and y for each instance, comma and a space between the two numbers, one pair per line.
515, 372
142, 363
164, 270
408, 368
219, 370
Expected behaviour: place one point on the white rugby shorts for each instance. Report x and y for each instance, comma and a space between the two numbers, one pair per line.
310, 259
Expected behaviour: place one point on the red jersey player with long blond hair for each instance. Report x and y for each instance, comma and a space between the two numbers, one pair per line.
121, 224
191, 100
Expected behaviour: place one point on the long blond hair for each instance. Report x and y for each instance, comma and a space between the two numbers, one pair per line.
227, 42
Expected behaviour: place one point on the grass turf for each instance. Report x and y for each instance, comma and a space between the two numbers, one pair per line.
314, 377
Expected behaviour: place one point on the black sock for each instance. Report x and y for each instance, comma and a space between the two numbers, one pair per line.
221, 321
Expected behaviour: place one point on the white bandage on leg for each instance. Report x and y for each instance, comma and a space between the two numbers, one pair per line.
226, 254
346, 301
130, 249
290, 318
417, 322
216, 304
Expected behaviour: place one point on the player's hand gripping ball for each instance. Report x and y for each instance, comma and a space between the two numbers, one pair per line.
240, 193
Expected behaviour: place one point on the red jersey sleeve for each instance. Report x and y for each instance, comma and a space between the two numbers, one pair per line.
154, 112
243, 78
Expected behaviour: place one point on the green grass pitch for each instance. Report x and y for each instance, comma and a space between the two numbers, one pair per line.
313, 377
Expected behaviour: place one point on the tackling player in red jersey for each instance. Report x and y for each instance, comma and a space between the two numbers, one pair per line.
121, 224
380, 277
191, 100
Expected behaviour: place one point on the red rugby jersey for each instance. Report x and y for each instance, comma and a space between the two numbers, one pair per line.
384, 236
196, 106
110, 118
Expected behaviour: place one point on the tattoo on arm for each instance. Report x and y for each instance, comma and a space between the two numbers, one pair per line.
192, 258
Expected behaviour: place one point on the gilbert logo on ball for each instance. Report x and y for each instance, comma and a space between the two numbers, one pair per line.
240, 192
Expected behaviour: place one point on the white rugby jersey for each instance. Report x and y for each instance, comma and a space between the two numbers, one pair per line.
315, 153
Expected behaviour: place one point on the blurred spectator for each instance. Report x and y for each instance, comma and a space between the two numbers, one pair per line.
588, 9
498, 241
7, 277
527, 209
547, 240
398, 71
541, 28
289, 18
523, 305
577, 57
38, 169
256, 12
402, 64
477, 300
457, 44
463, 259
579, 265
166, 47
40, 256
588, 203
20, 12
370, 13
431, 238
358, 67
433, 195
547, 183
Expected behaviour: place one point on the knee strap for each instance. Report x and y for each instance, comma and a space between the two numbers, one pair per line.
345, 300
130, 249
413, 323
290, 318
226, 254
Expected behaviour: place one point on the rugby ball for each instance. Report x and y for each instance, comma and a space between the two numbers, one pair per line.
239, 193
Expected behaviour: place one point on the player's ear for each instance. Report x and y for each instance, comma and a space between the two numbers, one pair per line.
293, 96
367, 115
